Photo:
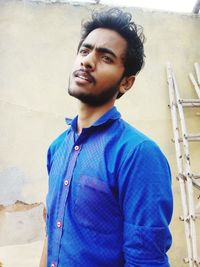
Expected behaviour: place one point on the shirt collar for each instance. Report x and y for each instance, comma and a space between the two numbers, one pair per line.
111, 115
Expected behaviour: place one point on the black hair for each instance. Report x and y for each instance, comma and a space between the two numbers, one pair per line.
120, 21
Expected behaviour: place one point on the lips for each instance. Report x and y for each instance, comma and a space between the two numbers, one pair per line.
84, 76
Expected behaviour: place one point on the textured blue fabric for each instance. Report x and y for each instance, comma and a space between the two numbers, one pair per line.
109, 201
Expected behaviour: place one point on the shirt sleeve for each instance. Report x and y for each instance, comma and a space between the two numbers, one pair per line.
53, 148
146, 201
50, 155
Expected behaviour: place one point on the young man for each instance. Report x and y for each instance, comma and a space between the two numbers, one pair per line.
109, 201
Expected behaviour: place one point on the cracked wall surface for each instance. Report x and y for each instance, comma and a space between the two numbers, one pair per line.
37, 49
21, 223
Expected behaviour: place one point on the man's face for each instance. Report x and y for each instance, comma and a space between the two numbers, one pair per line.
98, 69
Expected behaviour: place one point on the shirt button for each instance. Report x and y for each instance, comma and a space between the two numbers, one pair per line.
66, 182
53, 265
76, 148
59, 224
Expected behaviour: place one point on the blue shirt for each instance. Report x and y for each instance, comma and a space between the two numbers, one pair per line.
109, 201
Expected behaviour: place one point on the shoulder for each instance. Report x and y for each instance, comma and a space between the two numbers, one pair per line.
143, 162
55, 145
136, 143
132, 137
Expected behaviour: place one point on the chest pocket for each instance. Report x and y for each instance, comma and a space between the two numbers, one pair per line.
96, 207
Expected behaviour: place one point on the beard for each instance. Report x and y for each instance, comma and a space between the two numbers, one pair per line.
96, 100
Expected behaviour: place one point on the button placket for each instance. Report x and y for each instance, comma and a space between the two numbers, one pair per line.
59, 222
66, 185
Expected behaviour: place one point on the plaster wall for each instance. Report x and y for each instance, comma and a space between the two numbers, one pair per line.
37, 49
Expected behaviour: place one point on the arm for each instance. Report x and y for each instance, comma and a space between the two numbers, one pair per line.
53, 147
43, 260
146, 199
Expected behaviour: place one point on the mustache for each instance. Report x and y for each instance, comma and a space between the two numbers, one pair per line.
85, 73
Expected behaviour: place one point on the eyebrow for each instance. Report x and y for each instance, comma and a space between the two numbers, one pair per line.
100, 49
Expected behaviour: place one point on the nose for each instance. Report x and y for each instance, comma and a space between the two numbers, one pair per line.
89, 61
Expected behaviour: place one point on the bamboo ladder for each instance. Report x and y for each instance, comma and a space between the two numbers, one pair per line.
187, 179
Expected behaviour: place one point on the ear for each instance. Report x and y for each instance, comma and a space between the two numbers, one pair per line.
126, 84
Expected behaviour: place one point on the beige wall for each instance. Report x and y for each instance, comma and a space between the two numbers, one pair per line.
37, 48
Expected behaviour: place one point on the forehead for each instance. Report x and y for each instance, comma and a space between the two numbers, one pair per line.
107, 38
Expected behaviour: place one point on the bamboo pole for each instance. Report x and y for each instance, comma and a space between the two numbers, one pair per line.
196, 175
191, 105
190, 101
174, 121
196, 7
188, 173
196, 87
197, 69
179, 160
193, 137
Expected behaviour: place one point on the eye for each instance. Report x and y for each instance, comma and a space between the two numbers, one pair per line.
107, 59
84, 51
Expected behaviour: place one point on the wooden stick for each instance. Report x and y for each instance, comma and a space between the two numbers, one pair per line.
179, 161
174, 120
197, 69
189, 182
193, 137
196, 175
191, 105
190, 101
196, 7
196, 87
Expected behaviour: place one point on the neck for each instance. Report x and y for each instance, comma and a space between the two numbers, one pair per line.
87, 115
